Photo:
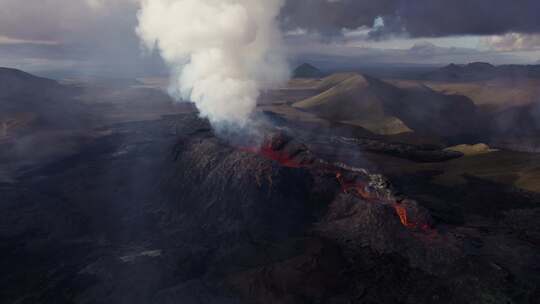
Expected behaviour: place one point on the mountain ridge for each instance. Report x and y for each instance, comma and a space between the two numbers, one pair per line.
307, 70
14, 81
476, 71
385, 109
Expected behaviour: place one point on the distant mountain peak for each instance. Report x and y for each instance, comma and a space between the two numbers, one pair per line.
477, 64
475, 71
480, 65
307, 70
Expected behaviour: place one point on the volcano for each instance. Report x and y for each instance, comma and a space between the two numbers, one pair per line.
358, 182
167, 212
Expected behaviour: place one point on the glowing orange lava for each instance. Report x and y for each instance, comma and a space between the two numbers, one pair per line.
402, 213
361, 189
279, 156
354, 186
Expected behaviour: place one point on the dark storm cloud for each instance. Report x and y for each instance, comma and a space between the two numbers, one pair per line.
418, 18
330, 16
83, 33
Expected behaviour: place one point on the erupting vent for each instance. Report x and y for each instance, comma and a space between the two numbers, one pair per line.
279, 156
370, 187
373, 188
280, 148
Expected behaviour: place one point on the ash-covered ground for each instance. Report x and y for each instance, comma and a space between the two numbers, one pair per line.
123, 204
164, 211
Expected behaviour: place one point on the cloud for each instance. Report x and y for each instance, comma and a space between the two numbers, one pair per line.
513, 42
8, 40
70, 20
102, 31
91, 33
331, 17
62, 20
416, 18
96, 4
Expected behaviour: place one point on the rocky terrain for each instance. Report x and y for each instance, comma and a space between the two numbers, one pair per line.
165, 212
161, 209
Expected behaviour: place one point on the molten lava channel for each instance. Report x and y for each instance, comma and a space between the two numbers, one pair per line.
354, 186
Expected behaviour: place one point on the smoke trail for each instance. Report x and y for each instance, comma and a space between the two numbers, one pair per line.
221, 53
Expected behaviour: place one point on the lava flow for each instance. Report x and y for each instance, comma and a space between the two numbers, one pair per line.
362, 188
281, 157
280, 149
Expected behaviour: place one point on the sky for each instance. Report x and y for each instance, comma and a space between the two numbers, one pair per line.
97, 37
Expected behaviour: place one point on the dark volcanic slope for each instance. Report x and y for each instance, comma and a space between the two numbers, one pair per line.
31, 104
29, 100
518, 128
165, 212
18, 82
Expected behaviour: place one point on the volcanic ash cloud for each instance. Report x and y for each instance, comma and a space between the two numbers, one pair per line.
221, 53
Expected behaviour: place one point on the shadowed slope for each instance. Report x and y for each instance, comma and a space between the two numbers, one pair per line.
388, 110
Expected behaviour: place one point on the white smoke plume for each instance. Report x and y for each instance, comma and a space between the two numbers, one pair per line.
222, 53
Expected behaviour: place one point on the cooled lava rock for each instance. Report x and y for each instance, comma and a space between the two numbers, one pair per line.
281, 190
411, 152
227, 193
357, 223
154, 216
